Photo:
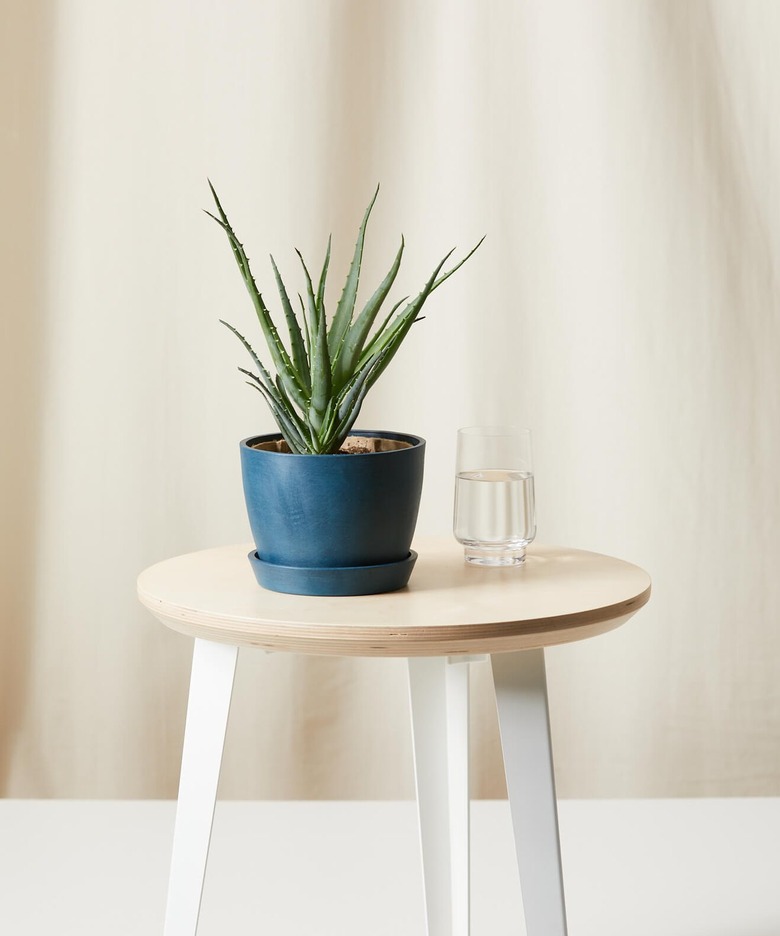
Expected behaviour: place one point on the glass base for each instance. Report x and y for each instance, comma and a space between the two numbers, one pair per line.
494, 555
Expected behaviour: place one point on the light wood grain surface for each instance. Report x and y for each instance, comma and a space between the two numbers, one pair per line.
448, 608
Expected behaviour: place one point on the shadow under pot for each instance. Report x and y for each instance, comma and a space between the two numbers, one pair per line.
333, 524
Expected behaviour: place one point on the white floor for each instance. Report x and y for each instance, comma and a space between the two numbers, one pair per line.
632, 868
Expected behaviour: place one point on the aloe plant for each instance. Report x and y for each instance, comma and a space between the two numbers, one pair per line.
321, 381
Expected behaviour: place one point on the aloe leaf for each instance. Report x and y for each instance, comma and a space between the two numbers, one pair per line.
265, 382
358, 332
323, 439
320, 437
404, 321
289, 408
458, 265
386, 356
279, 400
389, 316
297, 443
274, 395
323, 277
351, 400
329, 422
383, 338
313, 308
288, 430
249, 348
320, 377
349, 419
281, 358
293, 388
300, 360
352, 391
306, 335
313, 440
346, 306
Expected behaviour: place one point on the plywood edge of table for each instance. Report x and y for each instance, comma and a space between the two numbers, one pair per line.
448, 608
440, 641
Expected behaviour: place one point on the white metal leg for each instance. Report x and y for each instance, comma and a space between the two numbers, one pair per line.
211, 686
439, 700
521, 697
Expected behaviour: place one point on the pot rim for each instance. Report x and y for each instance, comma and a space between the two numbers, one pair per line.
414, 440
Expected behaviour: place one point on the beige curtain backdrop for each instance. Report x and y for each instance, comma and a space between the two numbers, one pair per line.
622, 158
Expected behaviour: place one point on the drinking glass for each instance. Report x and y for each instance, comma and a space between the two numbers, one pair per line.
495, 513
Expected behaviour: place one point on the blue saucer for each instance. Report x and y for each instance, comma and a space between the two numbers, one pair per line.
350, 580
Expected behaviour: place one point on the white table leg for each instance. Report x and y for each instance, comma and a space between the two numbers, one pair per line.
457, 679
521, 698
439, 699
211, 686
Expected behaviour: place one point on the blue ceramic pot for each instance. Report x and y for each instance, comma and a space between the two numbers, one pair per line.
337, 512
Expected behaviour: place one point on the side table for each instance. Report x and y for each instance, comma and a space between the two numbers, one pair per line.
451, 613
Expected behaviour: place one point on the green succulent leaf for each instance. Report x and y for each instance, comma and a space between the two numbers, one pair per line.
300, 361
346, 306
351, 393
388, 318
249, 348
328, 426
306, 334
274, 394
323, 277
311, 303
320, 377
288, 429
352, 403
281, 358
459, 264
289, 407
405, 318
319, 386
358, 332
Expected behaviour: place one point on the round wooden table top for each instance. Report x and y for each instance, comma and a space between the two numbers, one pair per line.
448, 608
